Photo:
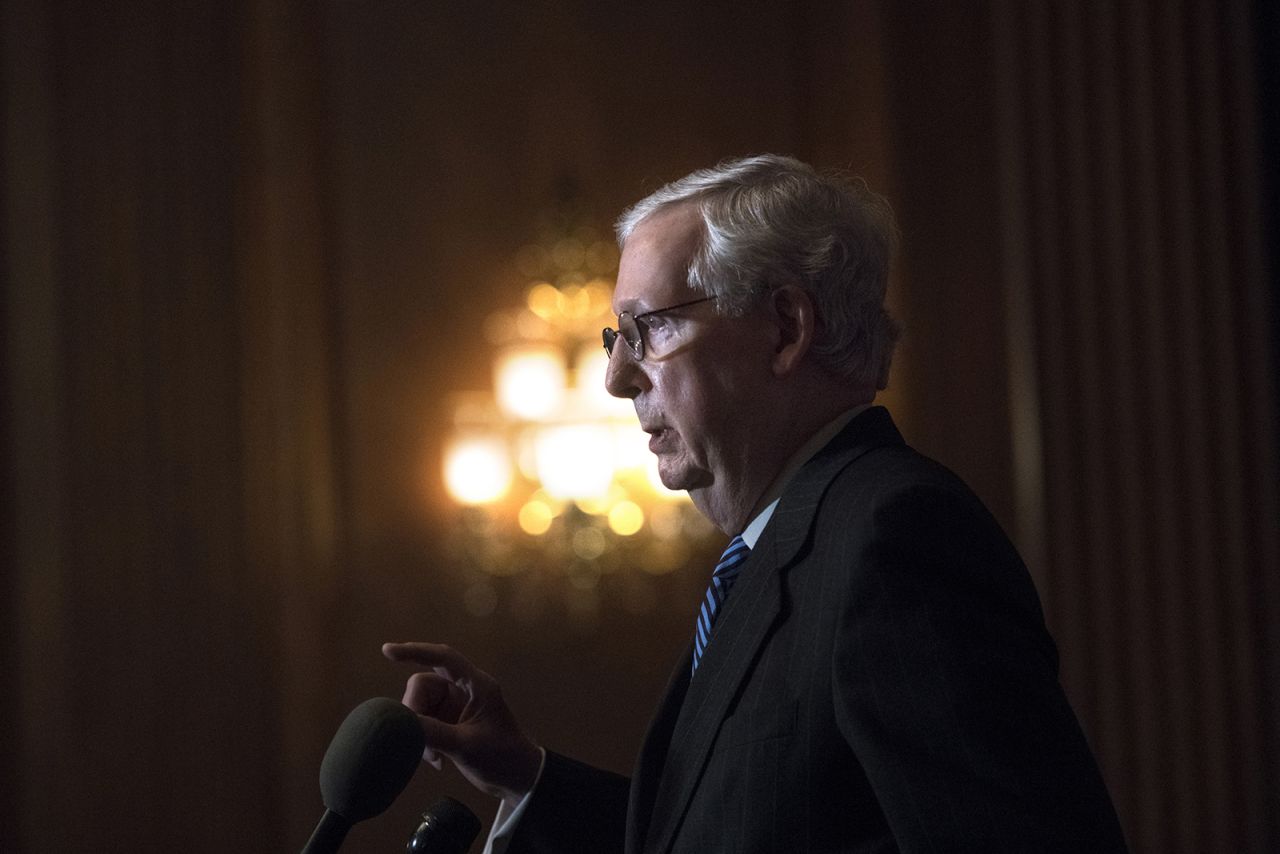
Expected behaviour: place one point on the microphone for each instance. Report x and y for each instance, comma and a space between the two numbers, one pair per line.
448, 827
370, 760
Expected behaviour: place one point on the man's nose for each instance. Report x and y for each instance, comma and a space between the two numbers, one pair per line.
624, 376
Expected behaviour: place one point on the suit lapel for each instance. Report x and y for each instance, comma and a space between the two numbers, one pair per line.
653, 755
679, 741
740, 630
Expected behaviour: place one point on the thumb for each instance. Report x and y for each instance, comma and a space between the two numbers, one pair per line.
441, 737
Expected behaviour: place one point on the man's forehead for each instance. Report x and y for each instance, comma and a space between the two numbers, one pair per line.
653, 271
637, 295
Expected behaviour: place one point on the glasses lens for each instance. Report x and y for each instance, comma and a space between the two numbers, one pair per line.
630, 333
610, 336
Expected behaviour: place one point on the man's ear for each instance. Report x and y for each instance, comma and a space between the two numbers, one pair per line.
797, 321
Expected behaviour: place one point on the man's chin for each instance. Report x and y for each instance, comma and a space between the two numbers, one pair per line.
678, 477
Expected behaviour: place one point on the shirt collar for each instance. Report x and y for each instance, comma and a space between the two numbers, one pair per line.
773, 494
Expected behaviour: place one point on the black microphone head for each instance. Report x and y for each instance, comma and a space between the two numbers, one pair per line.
371, 759
448, 827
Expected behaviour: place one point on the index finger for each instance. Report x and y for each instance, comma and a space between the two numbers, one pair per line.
434, 655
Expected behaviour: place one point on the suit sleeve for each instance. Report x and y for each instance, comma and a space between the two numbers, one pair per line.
575, 807
947, 689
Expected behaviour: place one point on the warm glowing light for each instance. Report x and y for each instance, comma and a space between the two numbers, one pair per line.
556, 504
574, 461
665, 521
596, 505
590, 363
529, 326
589, 544
599, 295
530, 382
577, 302
626, 518
477, 471
544, 300
631, 446
535, 517
553, 456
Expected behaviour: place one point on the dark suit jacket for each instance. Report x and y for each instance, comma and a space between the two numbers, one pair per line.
879, 680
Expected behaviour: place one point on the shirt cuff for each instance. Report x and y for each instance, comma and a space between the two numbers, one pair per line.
504, 825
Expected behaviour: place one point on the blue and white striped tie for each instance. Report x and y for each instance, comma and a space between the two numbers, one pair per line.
721, 580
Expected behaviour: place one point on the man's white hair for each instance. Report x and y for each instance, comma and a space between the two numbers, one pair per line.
769, 221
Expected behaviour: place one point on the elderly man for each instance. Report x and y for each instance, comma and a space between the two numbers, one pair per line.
870, 670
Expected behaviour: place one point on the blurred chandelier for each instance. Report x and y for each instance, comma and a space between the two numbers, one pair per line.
557, 492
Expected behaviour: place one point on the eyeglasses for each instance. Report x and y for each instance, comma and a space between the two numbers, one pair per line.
629, 327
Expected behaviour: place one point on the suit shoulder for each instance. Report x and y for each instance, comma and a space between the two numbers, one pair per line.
895, 473
913, 508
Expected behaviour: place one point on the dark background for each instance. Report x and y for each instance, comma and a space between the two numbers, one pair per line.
248, 249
